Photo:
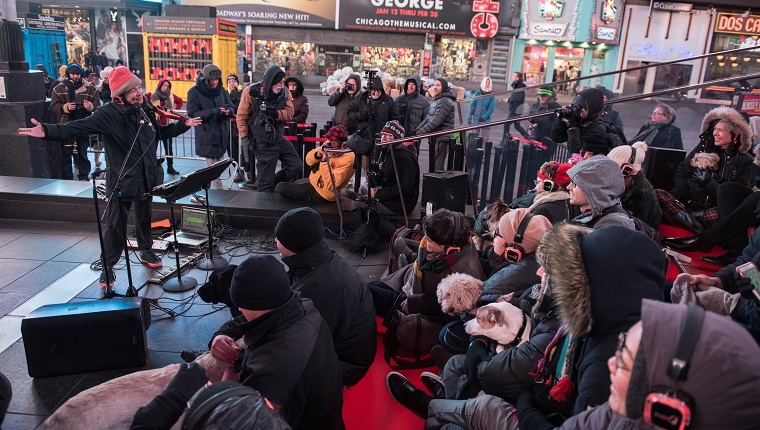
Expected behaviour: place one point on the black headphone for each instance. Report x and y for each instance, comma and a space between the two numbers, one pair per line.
198, 414
627, 168
457, 231
549, 184
668, 407
514, 251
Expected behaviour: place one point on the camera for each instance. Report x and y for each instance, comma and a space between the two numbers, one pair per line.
374, 174
572, 111
349, 87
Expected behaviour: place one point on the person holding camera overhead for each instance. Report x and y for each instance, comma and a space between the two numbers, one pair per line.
208, 100
72, 99
580, 123
265, 107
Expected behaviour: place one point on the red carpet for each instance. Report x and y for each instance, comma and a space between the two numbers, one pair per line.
368, 406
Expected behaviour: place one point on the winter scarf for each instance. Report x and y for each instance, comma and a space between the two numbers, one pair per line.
72, 88
650, 132
205, 89
554, 369
436, 265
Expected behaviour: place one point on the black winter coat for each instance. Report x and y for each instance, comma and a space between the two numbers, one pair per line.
290, 359
367, 113
408, 175
517, 98
300, 101
513, 278
641, 201
213, 136
544, 124
412, 108
507, 373
341, 99
592, 129
733, 166
668, 136
119, 124
440, 115
342, 298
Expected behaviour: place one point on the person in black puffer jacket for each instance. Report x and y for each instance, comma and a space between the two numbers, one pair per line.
412, 104
440, 117
208, 100
577, 130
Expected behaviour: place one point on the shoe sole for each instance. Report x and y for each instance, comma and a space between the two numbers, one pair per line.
152, 265
434, 377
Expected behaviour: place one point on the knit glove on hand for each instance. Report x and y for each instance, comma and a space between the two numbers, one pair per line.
189, 379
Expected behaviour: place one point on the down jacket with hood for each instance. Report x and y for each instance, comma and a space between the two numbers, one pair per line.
250, 102
300, 101
722, 380
412, 108
368, 114
598, 279
440, 115
735, 165
600, 180
341, 99
590, 133
212, 137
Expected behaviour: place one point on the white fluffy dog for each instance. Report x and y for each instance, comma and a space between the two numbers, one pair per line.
458, 293
112, 404
502, 322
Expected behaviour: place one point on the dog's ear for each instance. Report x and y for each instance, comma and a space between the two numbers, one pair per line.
505, 298
496, 316
485, 317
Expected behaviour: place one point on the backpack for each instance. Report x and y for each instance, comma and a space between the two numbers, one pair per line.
261, 127
409, 338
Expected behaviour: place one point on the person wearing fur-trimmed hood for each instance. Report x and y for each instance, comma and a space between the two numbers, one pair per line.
721, 156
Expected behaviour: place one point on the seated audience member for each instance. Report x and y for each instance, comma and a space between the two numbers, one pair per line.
384, 188
639, 197
289, 356
340, 295
552, 199
720, 157
223, 404
486, 223
319, 186
446, 248
579, 264
596, 186
300, 101
585, 124
659, 131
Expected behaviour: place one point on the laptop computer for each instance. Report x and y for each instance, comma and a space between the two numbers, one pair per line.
193, 230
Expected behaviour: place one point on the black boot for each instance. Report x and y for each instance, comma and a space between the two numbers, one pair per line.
720, 260
696, 243
688, 221
170, 170
407, 394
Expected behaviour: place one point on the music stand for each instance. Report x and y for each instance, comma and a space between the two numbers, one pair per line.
190, 184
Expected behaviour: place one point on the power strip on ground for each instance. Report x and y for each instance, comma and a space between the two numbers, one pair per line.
158, 245
172, 270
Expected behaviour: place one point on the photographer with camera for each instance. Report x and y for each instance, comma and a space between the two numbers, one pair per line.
340, 99
319, 187
265, 108
72, 99
580, 122
208, 100
373, 108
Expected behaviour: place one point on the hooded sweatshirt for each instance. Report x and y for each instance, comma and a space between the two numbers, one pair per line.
601, 181
590, 133
300, 101
722, 379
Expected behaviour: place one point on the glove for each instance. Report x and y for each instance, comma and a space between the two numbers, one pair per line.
744, 285
189, 379
245, 142
271, 112
701, 177
477, 352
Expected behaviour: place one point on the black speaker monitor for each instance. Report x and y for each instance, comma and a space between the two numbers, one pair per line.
660, 164
446, 189
80, 337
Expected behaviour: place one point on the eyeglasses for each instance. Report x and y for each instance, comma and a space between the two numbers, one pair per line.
496, 234
657, 113
619, 352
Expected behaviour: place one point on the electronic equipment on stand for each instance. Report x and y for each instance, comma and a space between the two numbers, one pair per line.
175, 190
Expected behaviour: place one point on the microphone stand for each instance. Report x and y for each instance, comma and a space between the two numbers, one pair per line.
210, 263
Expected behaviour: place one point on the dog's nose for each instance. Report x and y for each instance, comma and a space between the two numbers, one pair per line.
451, 309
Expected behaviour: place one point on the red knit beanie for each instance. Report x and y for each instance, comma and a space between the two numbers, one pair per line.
122, 80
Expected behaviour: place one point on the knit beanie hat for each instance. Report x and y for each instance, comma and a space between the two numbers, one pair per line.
592, 100
233, 76
337, 133
395, 129
622, 155
212, 72
105, 72
444, 85
545, 91
122, 80
537, 227
375, 84
74, 67
299, 229
560, 176
260, 283
485, 85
